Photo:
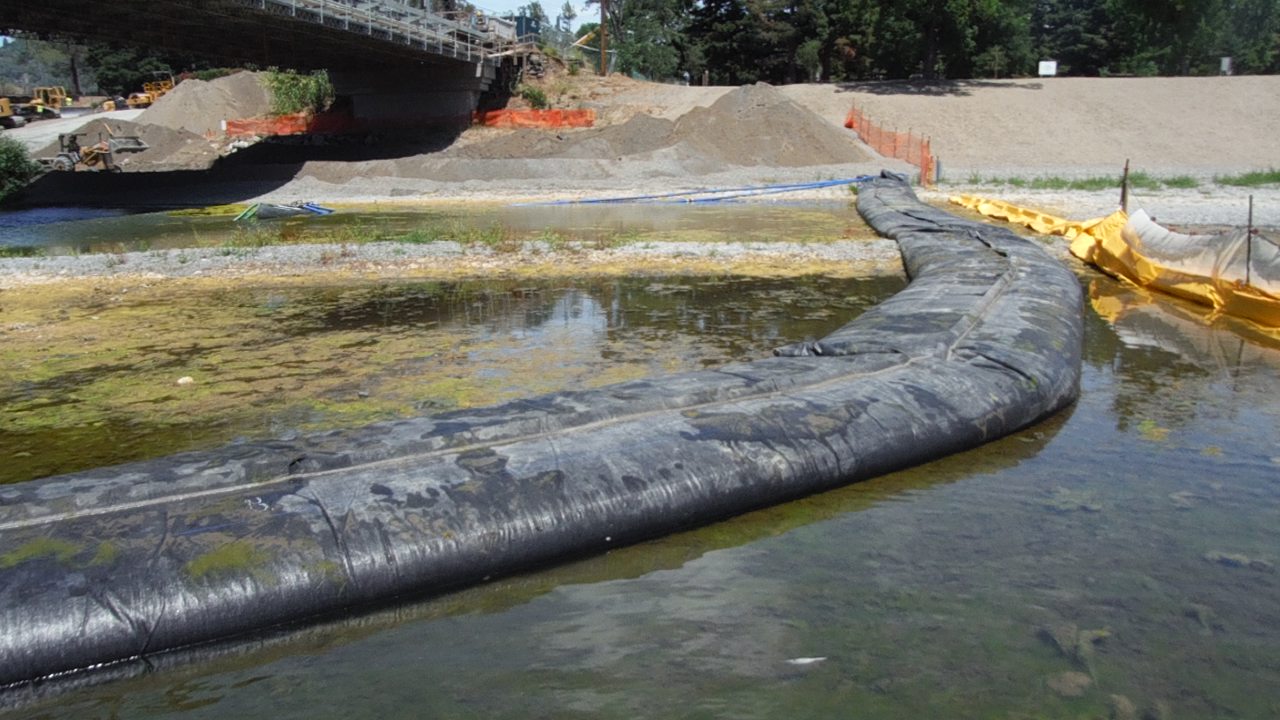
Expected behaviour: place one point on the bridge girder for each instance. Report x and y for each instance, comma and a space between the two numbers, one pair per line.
299, 34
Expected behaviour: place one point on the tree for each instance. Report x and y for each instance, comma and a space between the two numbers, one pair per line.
534, 10
1172, 37
649, 36
27, 62
1253, 35
122, 70
727, 41
1079, 34
16, 167
567, 15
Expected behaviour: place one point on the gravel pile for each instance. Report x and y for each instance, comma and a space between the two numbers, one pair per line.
200, 107
758, 125
752, 125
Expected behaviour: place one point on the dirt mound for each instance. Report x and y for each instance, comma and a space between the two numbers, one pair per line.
200, 107
640, 134
753, 125
169, 149
758, 125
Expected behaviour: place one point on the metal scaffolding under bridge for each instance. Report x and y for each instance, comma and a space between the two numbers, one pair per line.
359, 35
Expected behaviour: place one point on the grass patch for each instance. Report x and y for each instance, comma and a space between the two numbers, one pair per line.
18, 251
1137, 180
495, 237
1250, 179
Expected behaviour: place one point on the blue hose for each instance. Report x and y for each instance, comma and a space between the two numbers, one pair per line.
736, 192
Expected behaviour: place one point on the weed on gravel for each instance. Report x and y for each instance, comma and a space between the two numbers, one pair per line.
1138, 180
1250, 179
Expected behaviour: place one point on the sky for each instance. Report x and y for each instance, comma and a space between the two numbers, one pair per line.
552, 8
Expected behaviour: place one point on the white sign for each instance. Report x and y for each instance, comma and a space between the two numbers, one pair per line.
1048, 68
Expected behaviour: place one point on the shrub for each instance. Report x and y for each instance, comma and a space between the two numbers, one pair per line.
294, 93
16, 167
212, 74
535, 97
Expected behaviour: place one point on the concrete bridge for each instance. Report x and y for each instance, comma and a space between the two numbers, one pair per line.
393, 58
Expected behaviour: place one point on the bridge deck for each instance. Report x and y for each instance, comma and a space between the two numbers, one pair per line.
301, 34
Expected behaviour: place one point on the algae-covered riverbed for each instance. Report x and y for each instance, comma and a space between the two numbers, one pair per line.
1118, 560
97, 375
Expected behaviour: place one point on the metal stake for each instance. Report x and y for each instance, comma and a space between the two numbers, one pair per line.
1248, 248
1124, 187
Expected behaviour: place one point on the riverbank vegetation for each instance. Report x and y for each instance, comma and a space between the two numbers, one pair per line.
16, 167
786, 41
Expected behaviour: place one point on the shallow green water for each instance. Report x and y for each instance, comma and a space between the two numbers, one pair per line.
1121, 554
70, 230
99, 386
1125, 550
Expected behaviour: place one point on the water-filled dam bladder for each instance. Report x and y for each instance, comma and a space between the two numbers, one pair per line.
118, 563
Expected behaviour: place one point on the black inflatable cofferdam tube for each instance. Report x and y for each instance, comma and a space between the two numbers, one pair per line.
117, 563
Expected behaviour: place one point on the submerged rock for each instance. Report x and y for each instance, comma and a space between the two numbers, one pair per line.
1122, 708
1237, 560
1070, 684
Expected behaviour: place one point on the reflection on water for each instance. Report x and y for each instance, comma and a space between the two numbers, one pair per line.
1115, 561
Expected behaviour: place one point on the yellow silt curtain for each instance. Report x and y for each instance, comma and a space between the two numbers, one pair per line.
1234, 273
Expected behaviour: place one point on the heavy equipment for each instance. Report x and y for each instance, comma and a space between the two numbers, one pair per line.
151, 92
99, 155
54, 96
8, 118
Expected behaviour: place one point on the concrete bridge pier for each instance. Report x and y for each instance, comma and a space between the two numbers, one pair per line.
432, 96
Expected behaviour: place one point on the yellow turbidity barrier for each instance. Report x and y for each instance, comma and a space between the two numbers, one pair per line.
1235, 273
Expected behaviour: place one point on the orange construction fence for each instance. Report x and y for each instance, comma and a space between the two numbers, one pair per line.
293, 124
906, 146
536, 118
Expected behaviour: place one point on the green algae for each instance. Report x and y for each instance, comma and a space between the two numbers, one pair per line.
101, 374
60, 550
236, 558
106, 553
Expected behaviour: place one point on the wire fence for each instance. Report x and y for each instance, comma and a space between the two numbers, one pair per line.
908, 146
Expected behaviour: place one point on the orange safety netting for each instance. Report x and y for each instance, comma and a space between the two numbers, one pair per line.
536, 118
907, 146
292, 124
1236, 272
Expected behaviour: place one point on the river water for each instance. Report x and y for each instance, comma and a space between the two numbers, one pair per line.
1118, 560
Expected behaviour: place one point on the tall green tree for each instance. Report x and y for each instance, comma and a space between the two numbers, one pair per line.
1170, 37
1079, 34
649, 36
726, 37
1252, 35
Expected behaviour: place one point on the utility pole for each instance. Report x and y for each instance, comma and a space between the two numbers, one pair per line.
604, 38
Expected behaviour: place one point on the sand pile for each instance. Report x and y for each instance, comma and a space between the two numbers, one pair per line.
169, 149
752, 125
758, 125
200, 107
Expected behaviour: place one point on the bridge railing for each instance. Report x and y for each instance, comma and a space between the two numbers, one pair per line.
392, 22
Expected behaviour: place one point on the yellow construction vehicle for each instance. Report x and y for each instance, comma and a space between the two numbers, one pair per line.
54, 96
98, 156
8, 119
151, 92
